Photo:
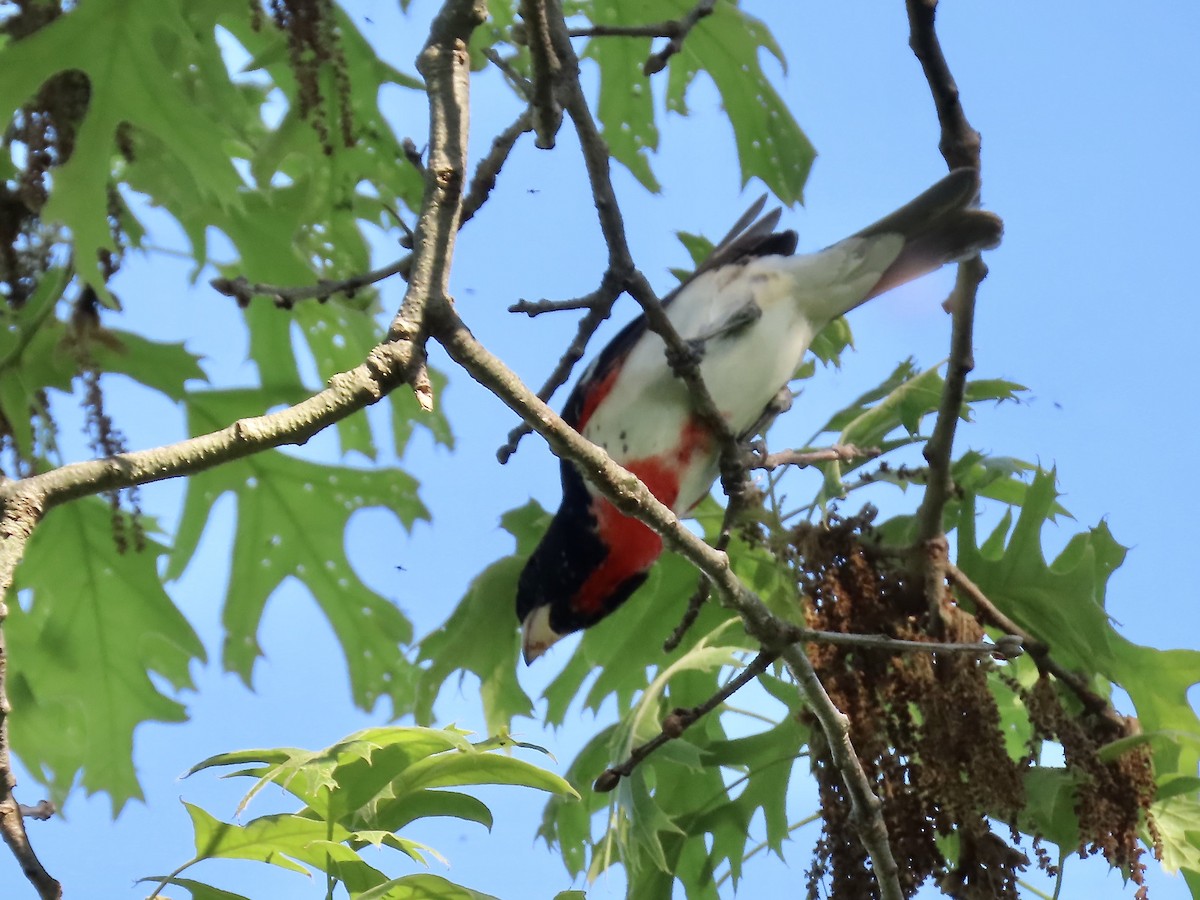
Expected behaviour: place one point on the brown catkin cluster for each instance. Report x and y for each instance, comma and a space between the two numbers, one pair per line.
314, 47
928, 731
104, 438
40, 136
1111, 798
925, 725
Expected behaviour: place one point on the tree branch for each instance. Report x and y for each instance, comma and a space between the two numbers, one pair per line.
387, 366
18, 517
534, 308
838, 452
658, 61
600, 303
547, 114
488, 168
244, 291
667, 28
960, 146
43, 810
675, 29
960, 143
444, 63
680, 720
866, 809
519, 82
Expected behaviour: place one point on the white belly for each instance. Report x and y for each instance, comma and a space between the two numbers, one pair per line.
647, 410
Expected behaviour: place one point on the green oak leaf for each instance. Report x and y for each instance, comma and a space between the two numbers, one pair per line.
341, 780
472, 639
96, 625
358, 792
292, 515
164, 367
726, 45
1062, 604
339, 336
422, 886
276, 839
1178, 821
626, 106
130, 51
198, 889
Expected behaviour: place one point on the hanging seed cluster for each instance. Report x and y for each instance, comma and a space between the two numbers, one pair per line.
40, 139
104, 438
315, 54
928, 731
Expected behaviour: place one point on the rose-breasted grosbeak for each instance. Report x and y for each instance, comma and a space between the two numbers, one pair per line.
751, 310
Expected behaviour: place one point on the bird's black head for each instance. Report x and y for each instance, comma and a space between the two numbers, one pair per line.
551, 585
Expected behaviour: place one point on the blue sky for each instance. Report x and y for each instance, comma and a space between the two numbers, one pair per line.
1090, 142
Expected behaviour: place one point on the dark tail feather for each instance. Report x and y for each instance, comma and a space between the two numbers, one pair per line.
942, 225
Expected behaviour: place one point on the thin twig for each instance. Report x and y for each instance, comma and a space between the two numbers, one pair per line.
488, 168
737, 505
938, 448
43, 810
680, 720
1038, 650
695, 604
600, 303
1010, 646
243, 290
533, 308
960, 143
547, 68
519, 82
676, 30
668, 28
960, 146
704, 588
683, 359
658, 61
838, 453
